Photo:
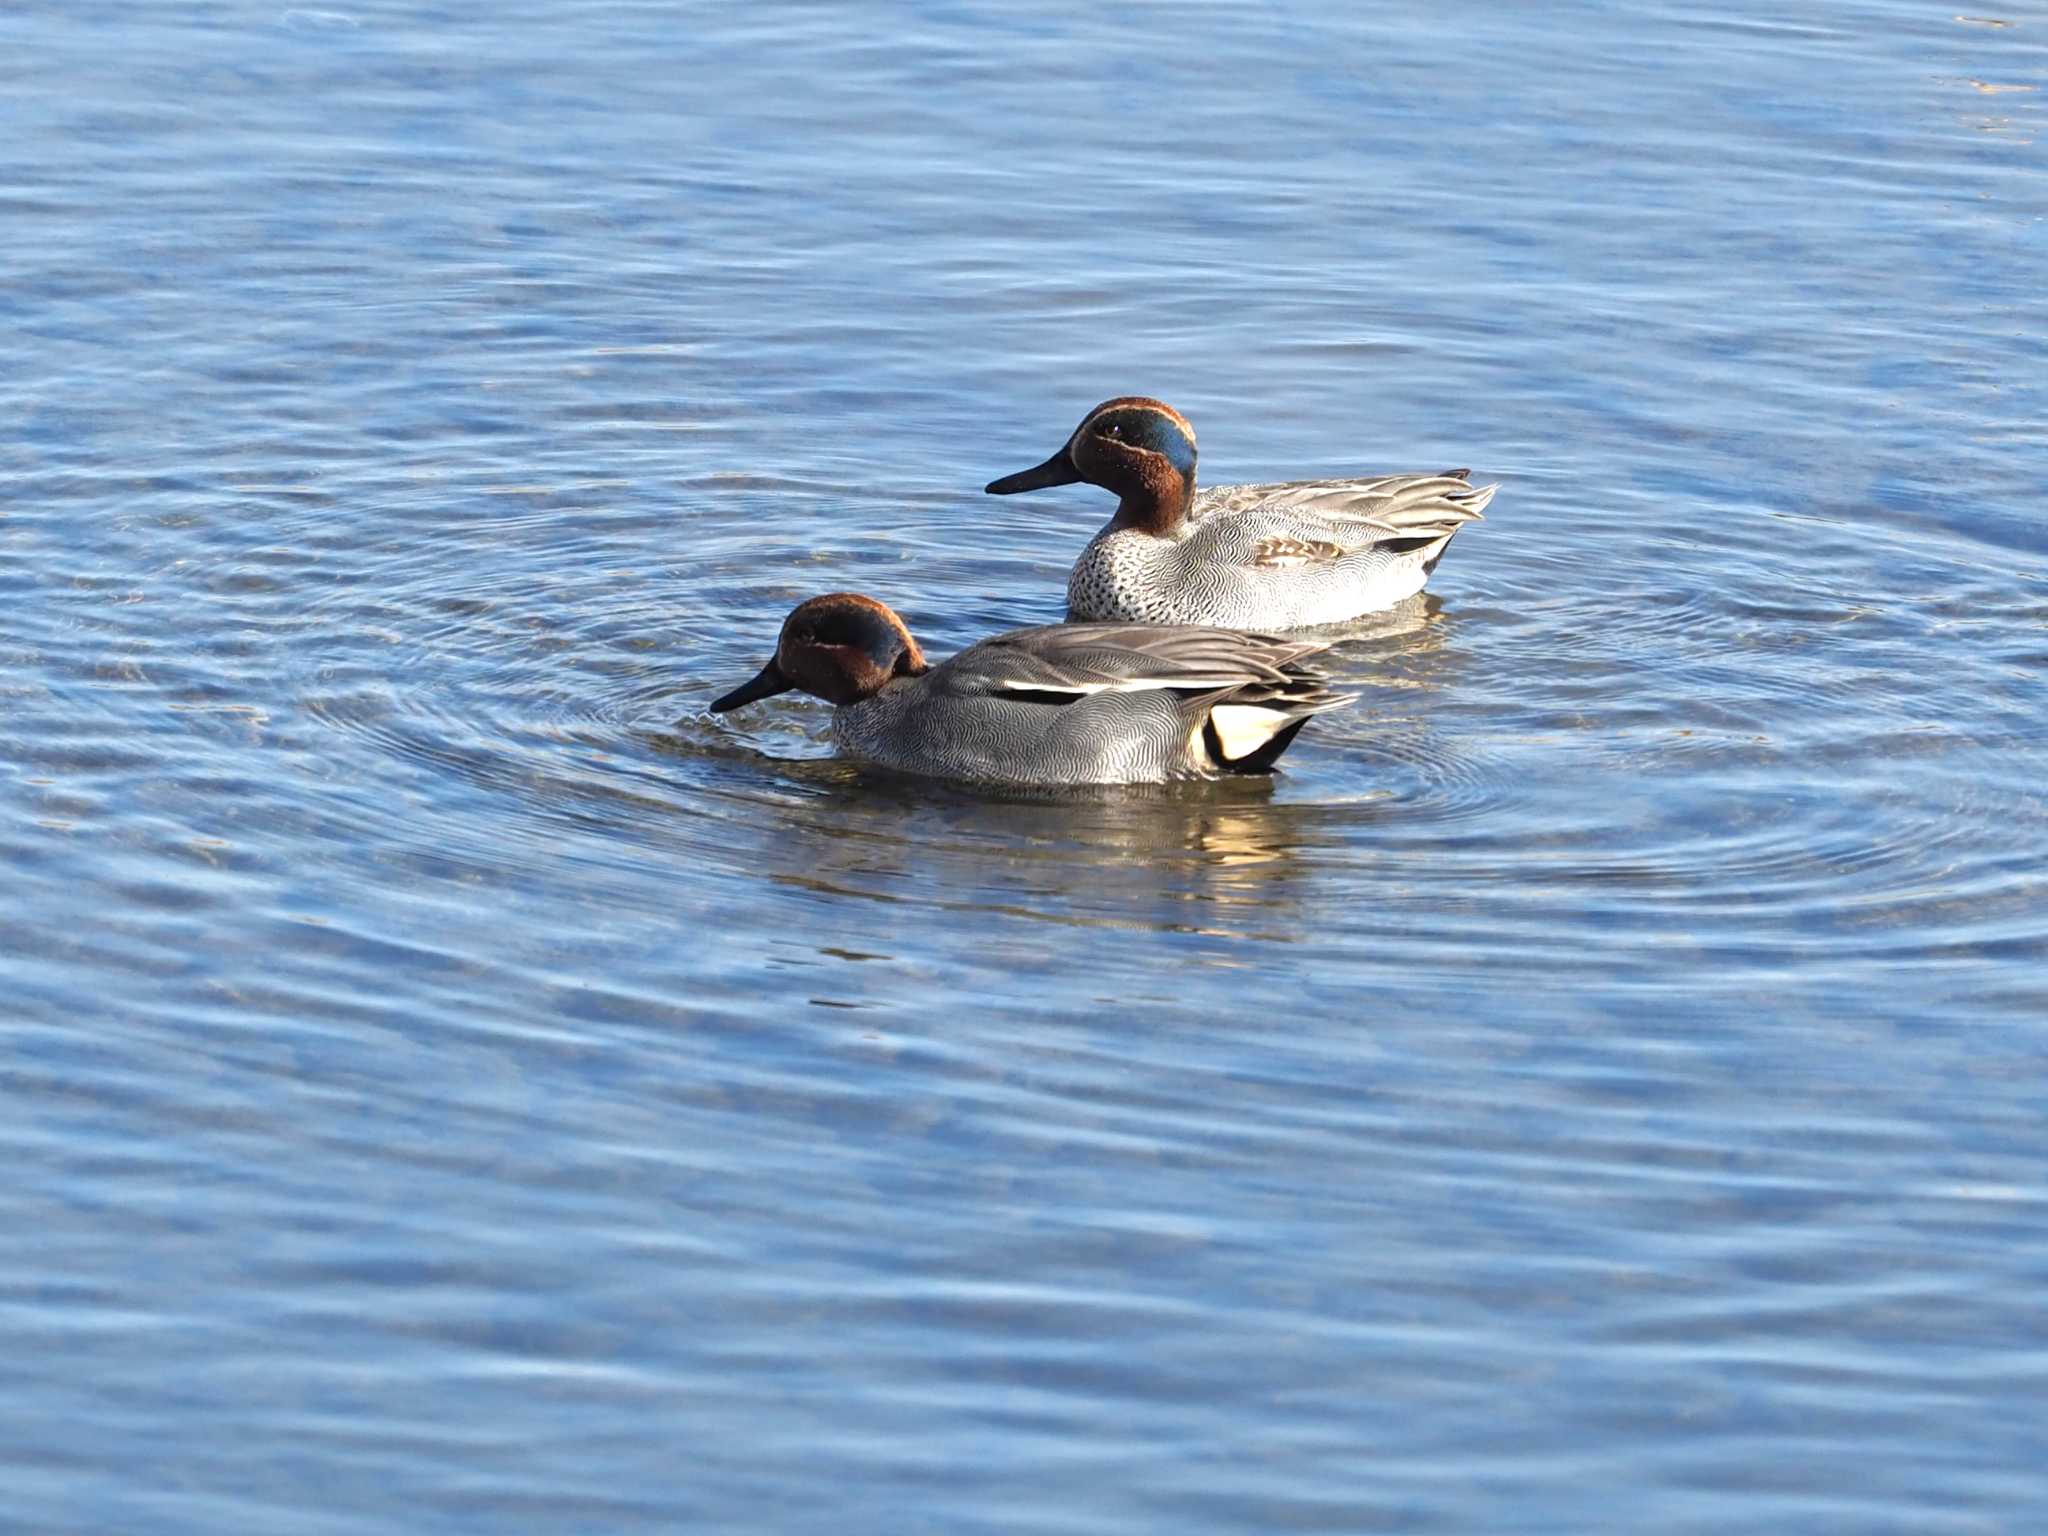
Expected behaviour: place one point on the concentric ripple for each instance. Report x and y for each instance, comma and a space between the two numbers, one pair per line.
452, 1082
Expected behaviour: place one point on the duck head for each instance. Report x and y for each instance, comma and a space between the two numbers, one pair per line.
1142, 449
841, 647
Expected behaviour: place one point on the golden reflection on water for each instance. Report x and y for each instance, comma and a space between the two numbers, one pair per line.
1113, 859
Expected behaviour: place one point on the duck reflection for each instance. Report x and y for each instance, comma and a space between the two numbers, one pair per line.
1123, 858
1404, 646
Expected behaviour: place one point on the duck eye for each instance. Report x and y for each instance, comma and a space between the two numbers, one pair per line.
1115, 429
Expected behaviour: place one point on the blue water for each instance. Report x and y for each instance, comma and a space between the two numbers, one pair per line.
449, 1082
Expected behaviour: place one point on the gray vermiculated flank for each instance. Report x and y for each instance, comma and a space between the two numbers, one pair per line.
1057, 705
1230, 562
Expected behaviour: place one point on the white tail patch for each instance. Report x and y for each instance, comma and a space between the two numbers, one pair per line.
1241, 729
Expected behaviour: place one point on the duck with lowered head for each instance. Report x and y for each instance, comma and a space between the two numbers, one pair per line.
1067, 704
1280, 556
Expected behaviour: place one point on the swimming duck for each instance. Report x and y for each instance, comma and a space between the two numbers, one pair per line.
1066, 704
1280, 556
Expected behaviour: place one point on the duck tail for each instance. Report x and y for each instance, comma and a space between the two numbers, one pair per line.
1258, 760
1245, 729
1430, 505
1428, 512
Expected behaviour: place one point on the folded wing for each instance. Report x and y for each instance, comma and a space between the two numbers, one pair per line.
1309, 522
1243, 696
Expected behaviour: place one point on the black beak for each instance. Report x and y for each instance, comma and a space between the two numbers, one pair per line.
1057, 470
768, 682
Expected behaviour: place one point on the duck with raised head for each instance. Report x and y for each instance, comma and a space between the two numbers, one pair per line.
1067, 704
1289, 555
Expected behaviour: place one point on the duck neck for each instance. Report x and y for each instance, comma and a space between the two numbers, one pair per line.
1158, 503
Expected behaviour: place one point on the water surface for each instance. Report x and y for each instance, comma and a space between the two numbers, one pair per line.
452, 1082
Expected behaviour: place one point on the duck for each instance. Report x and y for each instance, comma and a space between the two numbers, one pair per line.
1287, 555
1054, 706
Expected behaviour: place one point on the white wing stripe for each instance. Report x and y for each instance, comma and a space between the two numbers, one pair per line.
1121, 685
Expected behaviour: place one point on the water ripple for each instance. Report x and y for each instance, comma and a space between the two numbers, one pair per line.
453, 1080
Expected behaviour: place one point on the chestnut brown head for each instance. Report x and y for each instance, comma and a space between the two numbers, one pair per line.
841, 647
1142, 449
